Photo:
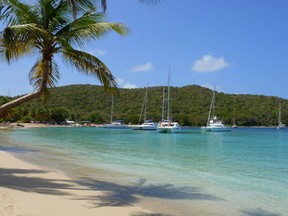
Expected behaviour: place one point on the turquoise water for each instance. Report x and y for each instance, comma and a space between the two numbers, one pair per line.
243, 172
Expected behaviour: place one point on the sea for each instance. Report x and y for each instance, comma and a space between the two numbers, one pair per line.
242, 172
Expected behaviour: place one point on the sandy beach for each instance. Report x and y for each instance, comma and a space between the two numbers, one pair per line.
30, 190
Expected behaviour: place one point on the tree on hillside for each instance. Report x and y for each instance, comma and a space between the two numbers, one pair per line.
47, 29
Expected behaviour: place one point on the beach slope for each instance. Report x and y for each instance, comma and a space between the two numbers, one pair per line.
30, 190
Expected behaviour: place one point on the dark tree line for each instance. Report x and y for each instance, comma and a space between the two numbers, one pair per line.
189, 105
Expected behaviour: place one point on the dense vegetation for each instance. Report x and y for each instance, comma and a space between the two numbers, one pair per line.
189, 105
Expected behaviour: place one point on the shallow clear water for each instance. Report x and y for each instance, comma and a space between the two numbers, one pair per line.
243, 172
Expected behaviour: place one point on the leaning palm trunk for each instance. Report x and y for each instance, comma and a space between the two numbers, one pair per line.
6, 107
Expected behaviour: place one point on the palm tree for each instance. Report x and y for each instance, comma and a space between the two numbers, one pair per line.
47, 29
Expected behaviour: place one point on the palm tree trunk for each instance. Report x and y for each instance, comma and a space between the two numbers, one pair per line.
6, 107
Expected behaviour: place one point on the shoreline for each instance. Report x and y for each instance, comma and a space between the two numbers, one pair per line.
27, 189
42, 125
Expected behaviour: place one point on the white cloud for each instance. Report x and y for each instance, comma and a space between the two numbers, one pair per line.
97, 52
143, 67
122, 84
129, 86
209, 63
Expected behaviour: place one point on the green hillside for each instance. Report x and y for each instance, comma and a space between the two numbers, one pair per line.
189, 105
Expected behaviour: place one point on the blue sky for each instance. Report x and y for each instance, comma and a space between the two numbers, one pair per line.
239, 46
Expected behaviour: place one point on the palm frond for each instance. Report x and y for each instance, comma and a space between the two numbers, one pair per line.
16, 12
20, 40
15, 45
78, 6
73, 7
52, 14
99, 29
104, 5
90, 65
86, 28
2, 51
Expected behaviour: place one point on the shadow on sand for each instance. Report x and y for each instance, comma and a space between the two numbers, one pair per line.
12, 149
147, 214
115, 194
14, 179
259, 212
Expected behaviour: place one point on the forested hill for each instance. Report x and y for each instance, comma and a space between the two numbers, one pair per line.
189, 105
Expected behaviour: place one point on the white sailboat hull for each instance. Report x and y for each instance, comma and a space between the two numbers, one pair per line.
168, 130
116, 125
214, 124
146, 126
172, 127
168, 125
215, 128
281, 126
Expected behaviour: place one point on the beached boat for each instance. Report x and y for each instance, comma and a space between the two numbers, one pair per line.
147, 124
167, 125
280, 124
213, 123
115, 124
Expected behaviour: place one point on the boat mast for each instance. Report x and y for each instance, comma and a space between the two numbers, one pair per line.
213, 102
168, 97
144, 107
211, 107
112, 105
163, 105
279, 115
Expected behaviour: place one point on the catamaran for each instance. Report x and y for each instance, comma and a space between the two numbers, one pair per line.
167, 125
147, 124
213, 123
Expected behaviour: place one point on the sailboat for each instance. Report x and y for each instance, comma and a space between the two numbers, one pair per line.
147, 124
234, 123
167, 125
115, 124
213, 123
280, 124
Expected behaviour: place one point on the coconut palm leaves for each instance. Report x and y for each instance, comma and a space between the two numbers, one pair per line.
48, 30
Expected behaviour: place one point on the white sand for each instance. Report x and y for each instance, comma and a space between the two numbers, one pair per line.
30, 190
